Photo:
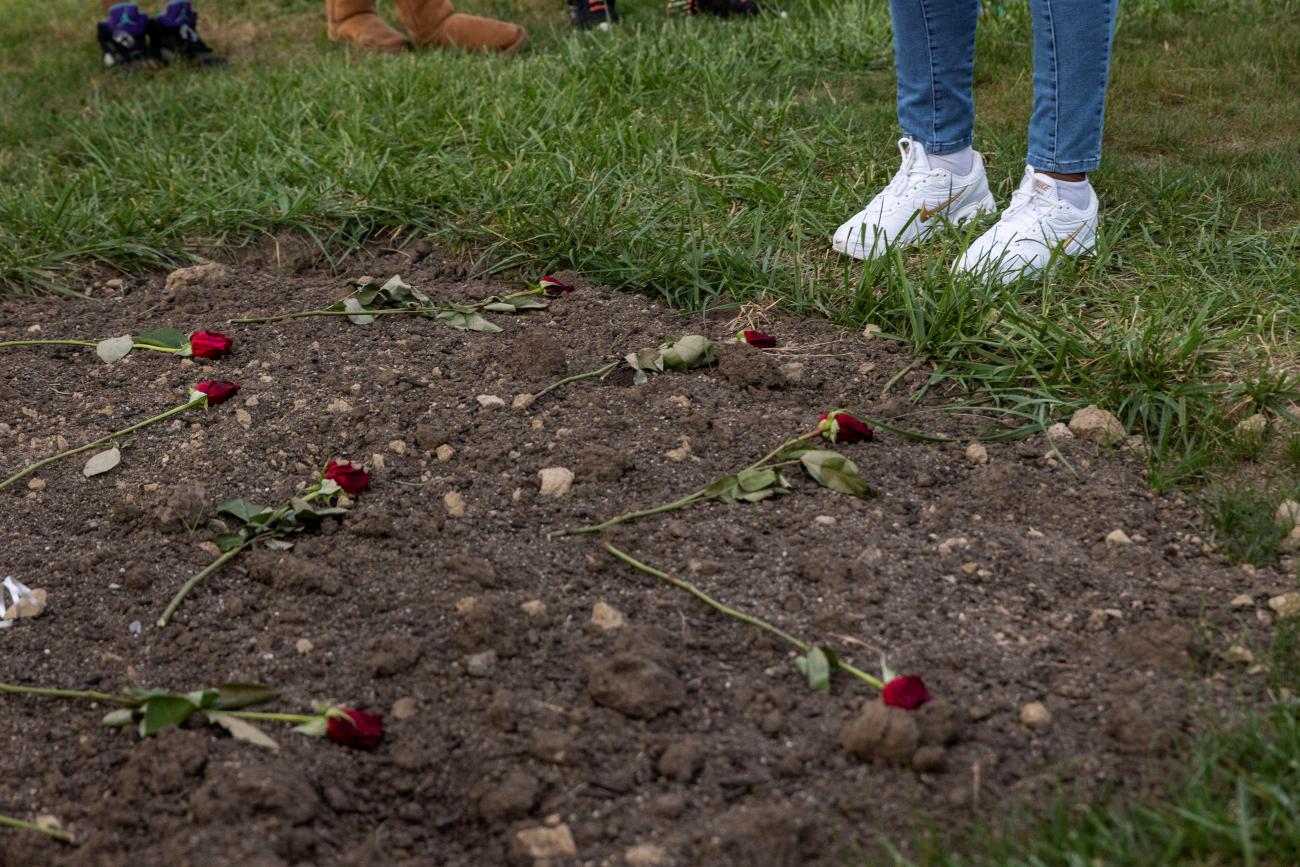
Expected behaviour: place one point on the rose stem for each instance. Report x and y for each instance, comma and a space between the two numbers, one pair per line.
61, 836
388, 311
600, 371
81, 343
676, 504
628, 516
89, 695
31, 468
731, 612
270, 717
220, 561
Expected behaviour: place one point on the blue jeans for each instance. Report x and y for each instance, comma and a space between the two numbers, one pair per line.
934, 51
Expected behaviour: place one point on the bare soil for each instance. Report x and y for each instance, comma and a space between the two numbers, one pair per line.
683, 733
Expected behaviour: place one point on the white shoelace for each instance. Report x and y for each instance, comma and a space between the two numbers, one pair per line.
1027, 208
907, 175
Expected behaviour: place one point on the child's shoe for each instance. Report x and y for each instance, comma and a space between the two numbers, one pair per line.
123, 37
174, 35
586, 14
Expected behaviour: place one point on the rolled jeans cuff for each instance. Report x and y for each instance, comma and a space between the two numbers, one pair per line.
939, 148
1075, 167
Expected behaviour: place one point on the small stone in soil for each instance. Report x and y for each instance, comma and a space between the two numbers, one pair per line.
976, 453
606, 616
549, 746
404, 708
490, 401
1243, 601
1286, 605
444, 452
1238, 655
1035, 716
534, 608
1060, 431
647, 855
521, 401
303, 645
555, 481
36, 485
634, 685
541, 842
512, 798
1288, 514
1117, 539
454, 503
481, 664
1098, 426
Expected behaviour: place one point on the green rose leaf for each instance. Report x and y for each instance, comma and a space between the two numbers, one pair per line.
102, 462
163, 338
833, 470
305, 511
467, 321
688, 353
249, 513
243, 730
163, 711
229, 541
316, 728
357, 314
118, 718
816, 666
232, 696
278, 544
114, 348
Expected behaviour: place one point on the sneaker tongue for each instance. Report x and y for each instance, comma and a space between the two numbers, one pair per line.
177, 14
127, 18
920, 159
1043, 185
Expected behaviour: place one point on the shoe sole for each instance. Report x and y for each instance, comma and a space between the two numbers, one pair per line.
986, 205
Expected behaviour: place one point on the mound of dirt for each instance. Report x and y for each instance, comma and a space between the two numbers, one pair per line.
519, 730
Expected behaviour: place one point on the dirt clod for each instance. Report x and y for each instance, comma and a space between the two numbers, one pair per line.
1097, 426
634, 685
879, 732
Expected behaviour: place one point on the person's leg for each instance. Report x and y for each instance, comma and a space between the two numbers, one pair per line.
1054, 211
355, 21
1072, 41
941, 180
934, 53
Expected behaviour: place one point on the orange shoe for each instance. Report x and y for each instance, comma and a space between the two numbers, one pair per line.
355, 21
436, 23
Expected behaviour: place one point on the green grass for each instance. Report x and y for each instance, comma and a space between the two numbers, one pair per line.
701, 161
706, 163
1234, 802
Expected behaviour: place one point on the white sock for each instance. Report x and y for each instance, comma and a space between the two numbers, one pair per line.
959, 163
1076, 193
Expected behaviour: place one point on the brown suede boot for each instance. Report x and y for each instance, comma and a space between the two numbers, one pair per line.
436, 23
355, 21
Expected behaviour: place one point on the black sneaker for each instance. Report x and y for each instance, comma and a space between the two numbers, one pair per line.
174, 35
592, 13
718, 8
122, 37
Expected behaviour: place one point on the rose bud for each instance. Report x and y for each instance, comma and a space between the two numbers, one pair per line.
209, 344
908, 692
351, 479
217, 390
554, 288
840, 427
355, 728
758, 339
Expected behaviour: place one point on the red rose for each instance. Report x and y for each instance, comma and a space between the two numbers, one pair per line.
209, 344
554, 288
351, 479
908, 692
758, 339
217, 390
840, 427
355, 728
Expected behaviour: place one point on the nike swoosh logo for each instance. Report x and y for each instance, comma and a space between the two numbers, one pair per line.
927, 213
1064, 245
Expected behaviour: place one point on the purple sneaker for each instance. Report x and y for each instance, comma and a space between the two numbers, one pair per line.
174, 35
122, 37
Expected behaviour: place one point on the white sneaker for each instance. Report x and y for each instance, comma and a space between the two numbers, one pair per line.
1036, 227
918, 200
